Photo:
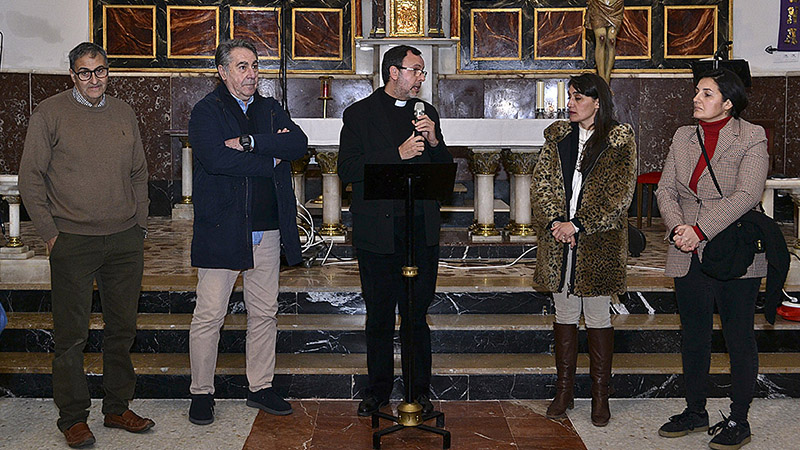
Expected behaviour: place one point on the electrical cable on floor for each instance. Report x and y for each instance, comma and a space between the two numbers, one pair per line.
631, 266
503, 266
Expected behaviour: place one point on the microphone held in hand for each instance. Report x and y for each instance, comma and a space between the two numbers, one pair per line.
419, 111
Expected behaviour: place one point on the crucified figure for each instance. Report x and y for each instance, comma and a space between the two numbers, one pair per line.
604, 18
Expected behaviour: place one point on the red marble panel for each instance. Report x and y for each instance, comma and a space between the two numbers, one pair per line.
192, 31
689, 31
633, 39
317, 33
496, 34
44, 86
260, 26
666, 104
129, 31
767, 107
15, 111
559, 33
791, 160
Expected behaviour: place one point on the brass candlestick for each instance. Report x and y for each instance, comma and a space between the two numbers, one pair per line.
325, 93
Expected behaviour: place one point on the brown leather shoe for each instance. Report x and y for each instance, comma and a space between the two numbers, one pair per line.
128, 421
79, 435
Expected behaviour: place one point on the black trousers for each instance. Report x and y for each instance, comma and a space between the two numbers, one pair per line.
697, 294
384, 289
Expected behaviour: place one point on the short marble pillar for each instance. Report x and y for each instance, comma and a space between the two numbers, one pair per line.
484, 165
332, 227
299, 185
505, 156
520, 163
14, 248
185, 210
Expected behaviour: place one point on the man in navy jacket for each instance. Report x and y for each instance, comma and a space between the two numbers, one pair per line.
244, 213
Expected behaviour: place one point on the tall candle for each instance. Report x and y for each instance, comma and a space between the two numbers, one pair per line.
540, 94
560, 95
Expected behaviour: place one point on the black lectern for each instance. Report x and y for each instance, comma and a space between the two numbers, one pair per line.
409, 182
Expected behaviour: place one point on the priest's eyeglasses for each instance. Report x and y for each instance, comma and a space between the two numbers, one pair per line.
417, 72
86, 75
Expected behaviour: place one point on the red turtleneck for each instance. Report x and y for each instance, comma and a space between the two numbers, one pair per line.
711, 132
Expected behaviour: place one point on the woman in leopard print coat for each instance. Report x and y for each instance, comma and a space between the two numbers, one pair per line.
581, 189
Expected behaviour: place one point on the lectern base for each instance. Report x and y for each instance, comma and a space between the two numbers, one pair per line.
409, 417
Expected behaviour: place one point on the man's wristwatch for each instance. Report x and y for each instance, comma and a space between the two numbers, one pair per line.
246, 141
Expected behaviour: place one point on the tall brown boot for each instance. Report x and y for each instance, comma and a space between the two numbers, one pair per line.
566, 337
601, 353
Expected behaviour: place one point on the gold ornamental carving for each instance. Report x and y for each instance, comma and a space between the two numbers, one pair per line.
299, 165
328, 161
520, 163
406, 17
484, 163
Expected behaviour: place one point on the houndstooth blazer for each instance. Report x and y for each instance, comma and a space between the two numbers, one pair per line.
740, 163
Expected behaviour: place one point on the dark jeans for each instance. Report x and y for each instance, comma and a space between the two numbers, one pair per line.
384, 288
116, 262
735, 299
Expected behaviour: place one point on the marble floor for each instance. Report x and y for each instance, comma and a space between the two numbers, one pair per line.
333, 425
168, 255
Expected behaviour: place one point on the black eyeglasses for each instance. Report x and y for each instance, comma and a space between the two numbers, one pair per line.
417, 72
86, 75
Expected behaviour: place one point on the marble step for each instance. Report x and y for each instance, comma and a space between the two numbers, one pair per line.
507, 333
485, 296
455, 377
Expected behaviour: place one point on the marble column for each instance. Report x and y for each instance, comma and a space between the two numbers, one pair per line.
520, 164
485, 162
299, 185
185, 210
435, 18
332, 227
378, 19
505, 156
14, 248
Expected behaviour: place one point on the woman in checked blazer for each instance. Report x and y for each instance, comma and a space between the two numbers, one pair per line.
693, 213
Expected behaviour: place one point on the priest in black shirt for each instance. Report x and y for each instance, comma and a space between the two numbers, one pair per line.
382, 129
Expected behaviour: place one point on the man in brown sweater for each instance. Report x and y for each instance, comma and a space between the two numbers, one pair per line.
83, 180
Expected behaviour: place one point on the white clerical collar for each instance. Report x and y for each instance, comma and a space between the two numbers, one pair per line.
400, 103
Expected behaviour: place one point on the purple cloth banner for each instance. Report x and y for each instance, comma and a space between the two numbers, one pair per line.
789, 29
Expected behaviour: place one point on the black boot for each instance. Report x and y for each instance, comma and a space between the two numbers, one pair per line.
566, 340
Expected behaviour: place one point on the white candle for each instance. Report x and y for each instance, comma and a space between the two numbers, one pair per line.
560, 95
540, 94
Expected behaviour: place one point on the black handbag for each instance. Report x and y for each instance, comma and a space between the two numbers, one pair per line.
731, 252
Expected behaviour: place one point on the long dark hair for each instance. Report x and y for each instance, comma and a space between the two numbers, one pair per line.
590, 84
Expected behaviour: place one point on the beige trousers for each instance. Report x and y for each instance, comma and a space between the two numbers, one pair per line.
596, 310
214, 287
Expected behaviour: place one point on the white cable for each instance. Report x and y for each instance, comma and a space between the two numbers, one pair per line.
630, 266
330, 247
443, 264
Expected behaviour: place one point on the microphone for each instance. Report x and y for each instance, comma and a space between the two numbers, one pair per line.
419, 111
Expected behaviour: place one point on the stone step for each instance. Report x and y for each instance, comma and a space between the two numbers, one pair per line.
343, 322
338, 333
455, 376
443, 364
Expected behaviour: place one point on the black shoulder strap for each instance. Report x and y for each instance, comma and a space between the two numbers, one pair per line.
708, 162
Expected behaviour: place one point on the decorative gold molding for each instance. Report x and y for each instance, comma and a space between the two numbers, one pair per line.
472, 34
536, 34
649, 32
105, 30
299, 165
685, 7
395, 15
520, 163
169, 31
484, 163
328, 161
339, 11
258, 8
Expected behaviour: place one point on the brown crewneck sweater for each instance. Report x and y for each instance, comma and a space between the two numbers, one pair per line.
83, 169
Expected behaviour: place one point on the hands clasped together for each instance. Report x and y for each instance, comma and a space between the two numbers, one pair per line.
686, 239
564, 232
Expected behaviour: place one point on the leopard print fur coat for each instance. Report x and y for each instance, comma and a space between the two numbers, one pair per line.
601, 251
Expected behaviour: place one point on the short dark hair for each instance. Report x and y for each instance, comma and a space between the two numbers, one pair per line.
394, 57
223, 55
731, 87
83, 49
